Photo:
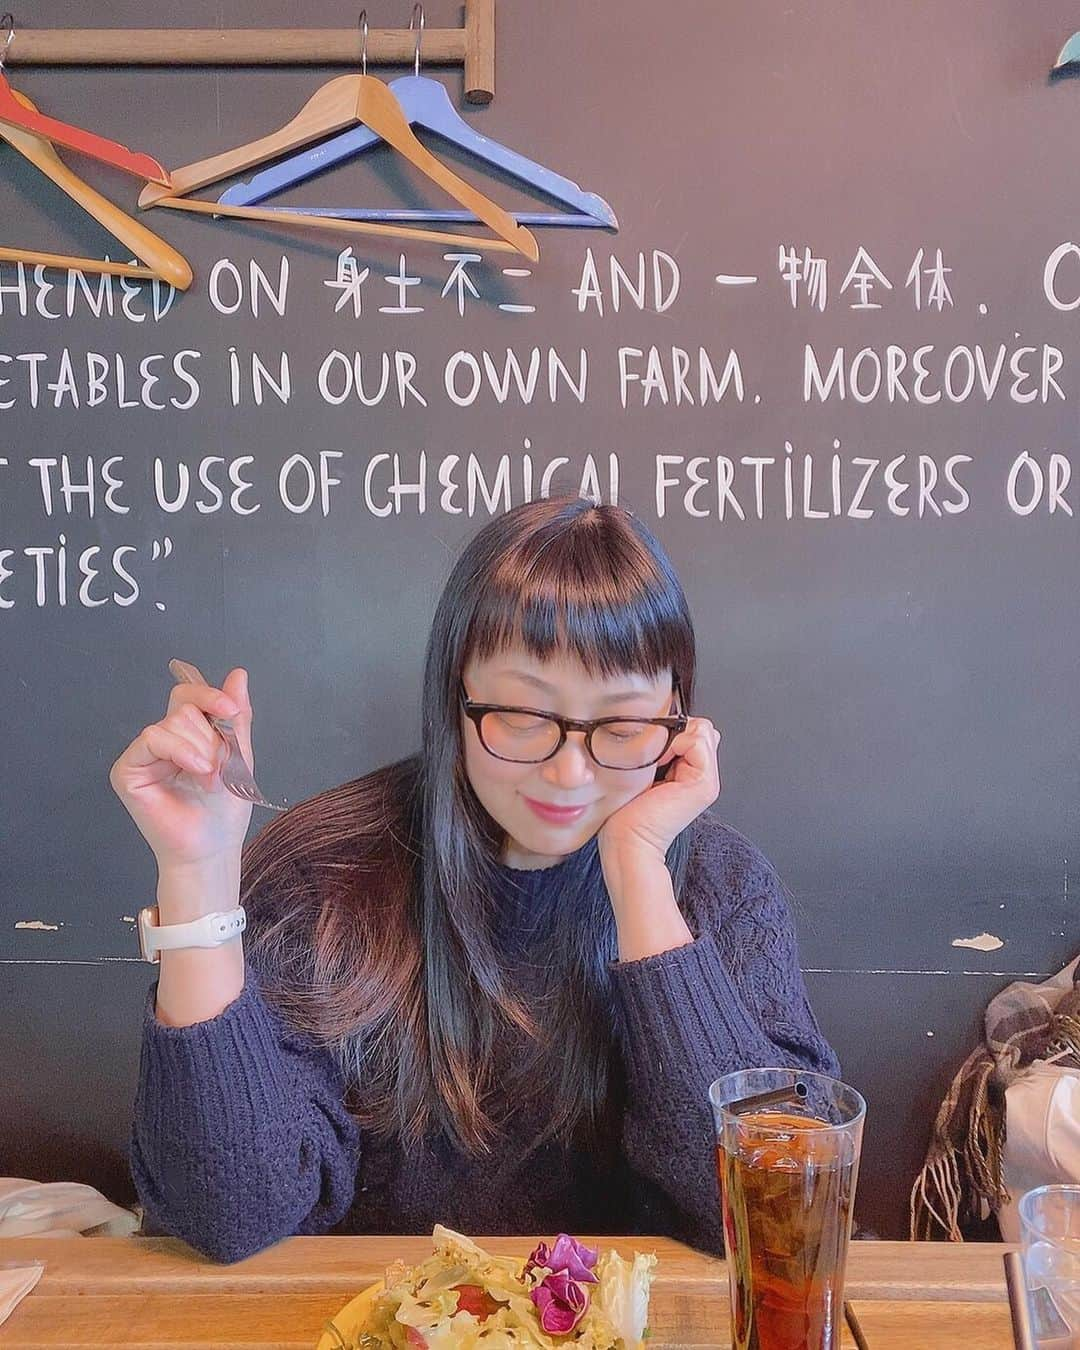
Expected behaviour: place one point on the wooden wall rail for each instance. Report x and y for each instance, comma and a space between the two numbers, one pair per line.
472, 46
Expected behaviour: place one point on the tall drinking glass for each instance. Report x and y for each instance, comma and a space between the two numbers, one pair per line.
1050, 1243
787, 1178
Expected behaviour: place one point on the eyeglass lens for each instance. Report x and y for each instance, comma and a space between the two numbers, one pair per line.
527, 739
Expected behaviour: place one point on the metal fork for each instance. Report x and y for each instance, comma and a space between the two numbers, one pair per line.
235, 773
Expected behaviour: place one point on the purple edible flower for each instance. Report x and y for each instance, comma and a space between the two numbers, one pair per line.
561, 1297
567, 1255
561, 1303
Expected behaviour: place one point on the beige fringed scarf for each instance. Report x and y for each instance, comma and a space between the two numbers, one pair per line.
962, 1176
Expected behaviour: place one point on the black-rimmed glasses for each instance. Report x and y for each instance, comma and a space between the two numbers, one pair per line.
530, 736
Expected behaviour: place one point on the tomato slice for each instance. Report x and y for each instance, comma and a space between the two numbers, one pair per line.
473, 1299
413, 1338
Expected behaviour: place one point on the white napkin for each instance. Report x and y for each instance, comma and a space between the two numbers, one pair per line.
59, 1209
15, 1283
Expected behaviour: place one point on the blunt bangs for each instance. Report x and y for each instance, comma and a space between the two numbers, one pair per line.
589, 587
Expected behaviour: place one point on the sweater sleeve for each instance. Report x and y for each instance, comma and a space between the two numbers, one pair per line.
732, 999
240, 1136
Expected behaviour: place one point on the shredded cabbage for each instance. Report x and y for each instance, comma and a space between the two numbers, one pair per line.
419, 1307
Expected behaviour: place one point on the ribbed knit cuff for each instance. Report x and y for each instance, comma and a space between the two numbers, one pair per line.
682, 1015
215, 1071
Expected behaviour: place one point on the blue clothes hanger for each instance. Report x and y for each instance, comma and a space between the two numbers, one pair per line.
425, 103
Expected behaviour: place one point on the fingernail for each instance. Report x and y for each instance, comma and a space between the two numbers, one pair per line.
204, 764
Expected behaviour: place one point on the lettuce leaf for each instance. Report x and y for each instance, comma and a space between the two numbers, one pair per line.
623, 1295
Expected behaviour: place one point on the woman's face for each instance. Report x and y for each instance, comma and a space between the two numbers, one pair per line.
571, 778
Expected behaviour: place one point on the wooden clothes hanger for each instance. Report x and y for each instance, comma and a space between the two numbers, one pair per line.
160, 260
341, 103
426, 104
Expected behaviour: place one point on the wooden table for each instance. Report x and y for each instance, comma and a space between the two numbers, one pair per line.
154, 1293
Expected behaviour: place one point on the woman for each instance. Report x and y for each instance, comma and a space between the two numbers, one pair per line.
490, 984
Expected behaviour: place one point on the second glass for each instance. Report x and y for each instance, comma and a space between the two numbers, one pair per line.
1050, 1239
788, 1172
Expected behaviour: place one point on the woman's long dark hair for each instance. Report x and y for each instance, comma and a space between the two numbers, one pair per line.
370, 905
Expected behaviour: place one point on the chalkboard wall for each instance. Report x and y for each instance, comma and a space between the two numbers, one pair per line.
832, 356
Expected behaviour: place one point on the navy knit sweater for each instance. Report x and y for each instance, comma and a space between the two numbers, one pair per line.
241, 1136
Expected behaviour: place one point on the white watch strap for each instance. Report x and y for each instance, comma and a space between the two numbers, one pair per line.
211, 930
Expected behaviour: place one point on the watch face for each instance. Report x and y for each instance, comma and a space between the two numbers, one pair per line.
148, 918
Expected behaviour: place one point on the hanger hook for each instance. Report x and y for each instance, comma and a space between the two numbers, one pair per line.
417, 22
7, 21
362, 24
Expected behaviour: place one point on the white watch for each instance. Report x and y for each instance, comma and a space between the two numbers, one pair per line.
210, 931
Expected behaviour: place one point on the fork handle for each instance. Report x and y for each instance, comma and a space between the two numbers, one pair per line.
185, 673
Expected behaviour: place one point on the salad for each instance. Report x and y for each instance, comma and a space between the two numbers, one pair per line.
462, 1298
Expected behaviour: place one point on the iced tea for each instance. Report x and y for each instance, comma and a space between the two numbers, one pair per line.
787, 1183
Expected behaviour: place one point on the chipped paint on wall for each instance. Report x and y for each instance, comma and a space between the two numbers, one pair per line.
985, 942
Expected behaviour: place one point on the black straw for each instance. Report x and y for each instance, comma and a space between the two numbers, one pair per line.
1023, 1336
796, 1093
